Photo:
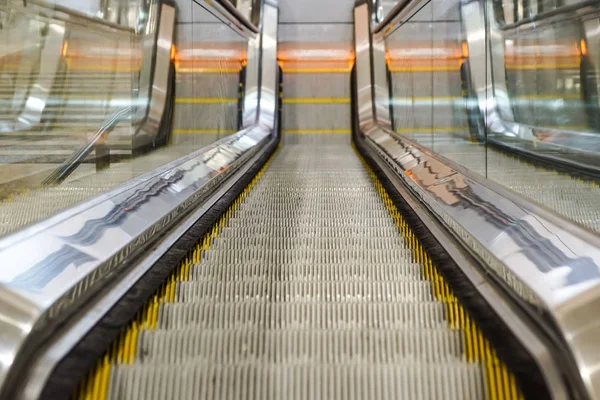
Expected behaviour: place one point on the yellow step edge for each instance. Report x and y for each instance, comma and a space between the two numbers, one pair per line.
201, 70
316, 70
529, 67
426, 69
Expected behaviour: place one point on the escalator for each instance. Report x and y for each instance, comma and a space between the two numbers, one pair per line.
288, 243
300, 292
310, 284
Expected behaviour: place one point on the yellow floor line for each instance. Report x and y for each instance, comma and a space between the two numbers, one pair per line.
529, 67
201, 70
204, 100
317, 131
319, 100
426, 69
107, 97
344, 70
202, 131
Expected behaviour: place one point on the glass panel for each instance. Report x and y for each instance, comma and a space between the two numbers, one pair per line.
546, 106
210, 61
64, 77
543, 77
434, 102
130, 14
515, 103
511, 12
455, 122
409, 55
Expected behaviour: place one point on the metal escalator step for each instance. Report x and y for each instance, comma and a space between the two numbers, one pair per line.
311, 213
304, 231
295, 243
271, 289
453, 380
311, 222
302, 314
329, 202
317, 272
307, 256
288, 344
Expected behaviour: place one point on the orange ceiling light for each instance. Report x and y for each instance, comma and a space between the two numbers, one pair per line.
584, 49
65, 48
315, 52
465, 50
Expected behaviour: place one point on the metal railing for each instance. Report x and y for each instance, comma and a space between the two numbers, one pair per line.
70, 164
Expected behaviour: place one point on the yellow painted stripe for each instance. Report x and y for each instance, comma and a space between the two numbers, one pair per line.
528, 67
432, 68
204, 100
201, 131
202, 70
125, 96
317, 70
427, 130
317, 131
317, 100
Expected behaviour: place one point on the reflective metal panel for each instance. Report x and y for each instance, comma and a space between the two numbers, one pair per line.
161, 69
269, 87
362, 47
